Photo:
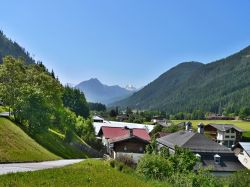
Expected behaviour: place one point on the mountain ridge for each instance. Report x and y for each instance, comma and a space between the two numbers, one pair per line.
190, 86
96, 91
9, 47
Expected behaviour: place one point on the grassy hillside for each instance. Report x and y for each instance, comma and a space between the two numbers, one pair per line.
16, 146
223, 84
87, 173
54, 142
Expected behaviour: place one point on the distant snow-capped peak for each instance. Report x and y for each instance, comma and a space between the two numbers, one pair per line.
130, 87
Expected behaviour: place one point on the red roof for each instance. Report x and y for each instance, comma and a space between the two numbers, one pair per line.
114, 132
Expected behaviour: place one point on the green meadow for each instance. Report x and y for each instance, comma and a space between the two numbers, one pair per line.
17, 146
87, 173
239, 123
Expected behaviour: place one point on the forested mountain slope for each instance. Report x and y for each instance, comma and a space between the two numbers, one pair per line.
8, 47
217, 86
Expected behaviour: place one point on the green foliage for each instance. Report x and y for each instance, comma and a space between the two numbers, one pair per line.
241, 178
170, 129
164, 152
154, 166
244, 112
75, 100
157, 128
200, 179
113, 113
152, 147
30, 91
97, 107
183, 160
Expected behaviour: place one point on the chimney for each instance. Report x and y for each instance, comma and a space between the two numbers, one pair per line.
188, 126
201, 128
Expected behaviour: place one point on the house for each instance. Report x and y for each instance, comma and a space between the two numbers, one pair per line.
159, 120
213, 116
124, 141
242, 151
122, 117
224, 134
98, 125
219, 158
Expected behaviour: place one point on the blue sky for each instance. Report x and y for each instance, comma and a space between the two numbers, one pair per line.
125, 41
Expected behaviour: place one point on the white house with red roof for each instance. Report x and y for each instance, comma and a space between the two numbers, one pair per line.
124, 141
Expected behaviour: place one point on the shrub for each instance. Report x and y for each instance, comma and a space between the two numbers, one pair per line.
240, 178
126, 159
154, 167
120, 166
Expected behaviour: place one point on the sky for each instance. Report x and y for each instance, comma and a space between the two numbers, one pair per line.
124, 42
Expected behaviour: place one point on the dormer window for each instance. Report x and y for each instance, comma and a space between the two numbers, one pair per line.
217, 159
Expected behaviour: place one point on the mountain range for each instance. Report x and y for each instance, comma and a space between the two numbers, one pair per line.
222, 85
95, 91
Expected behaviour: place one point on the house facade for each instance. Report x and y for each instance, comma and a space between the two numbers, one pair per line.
224, 134
242, 151
123, 141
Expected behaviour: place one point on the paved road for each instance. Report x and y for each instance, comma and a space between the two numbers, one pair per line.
22, 167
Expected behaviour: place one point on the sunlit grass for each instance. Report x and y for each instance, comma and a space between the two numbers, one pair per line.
17, 146
87, 173
239, 123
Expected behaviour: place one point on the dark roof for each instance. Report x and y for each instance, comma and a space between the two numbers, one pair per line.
206, 148
195, 141
225, 127
227, 164
126, 137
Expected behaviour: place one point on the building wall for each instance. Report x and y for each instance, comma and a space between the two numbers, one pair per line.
130, 147
244, 159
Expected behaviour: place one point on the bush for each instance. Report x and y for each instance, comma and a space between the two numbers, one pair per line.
189, 179
154, 167
126, 159
120, 166
241, 178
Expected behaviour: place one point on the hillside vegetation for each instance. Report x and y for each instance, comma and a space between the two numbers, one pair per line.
9, 47
86, 173
54, 142
223, 85
17, 146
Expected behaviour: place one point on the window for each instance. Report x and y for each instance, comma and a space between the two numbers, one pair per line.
232, 136
141, 149
226, 136
125, 148
227, 131
232, 131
